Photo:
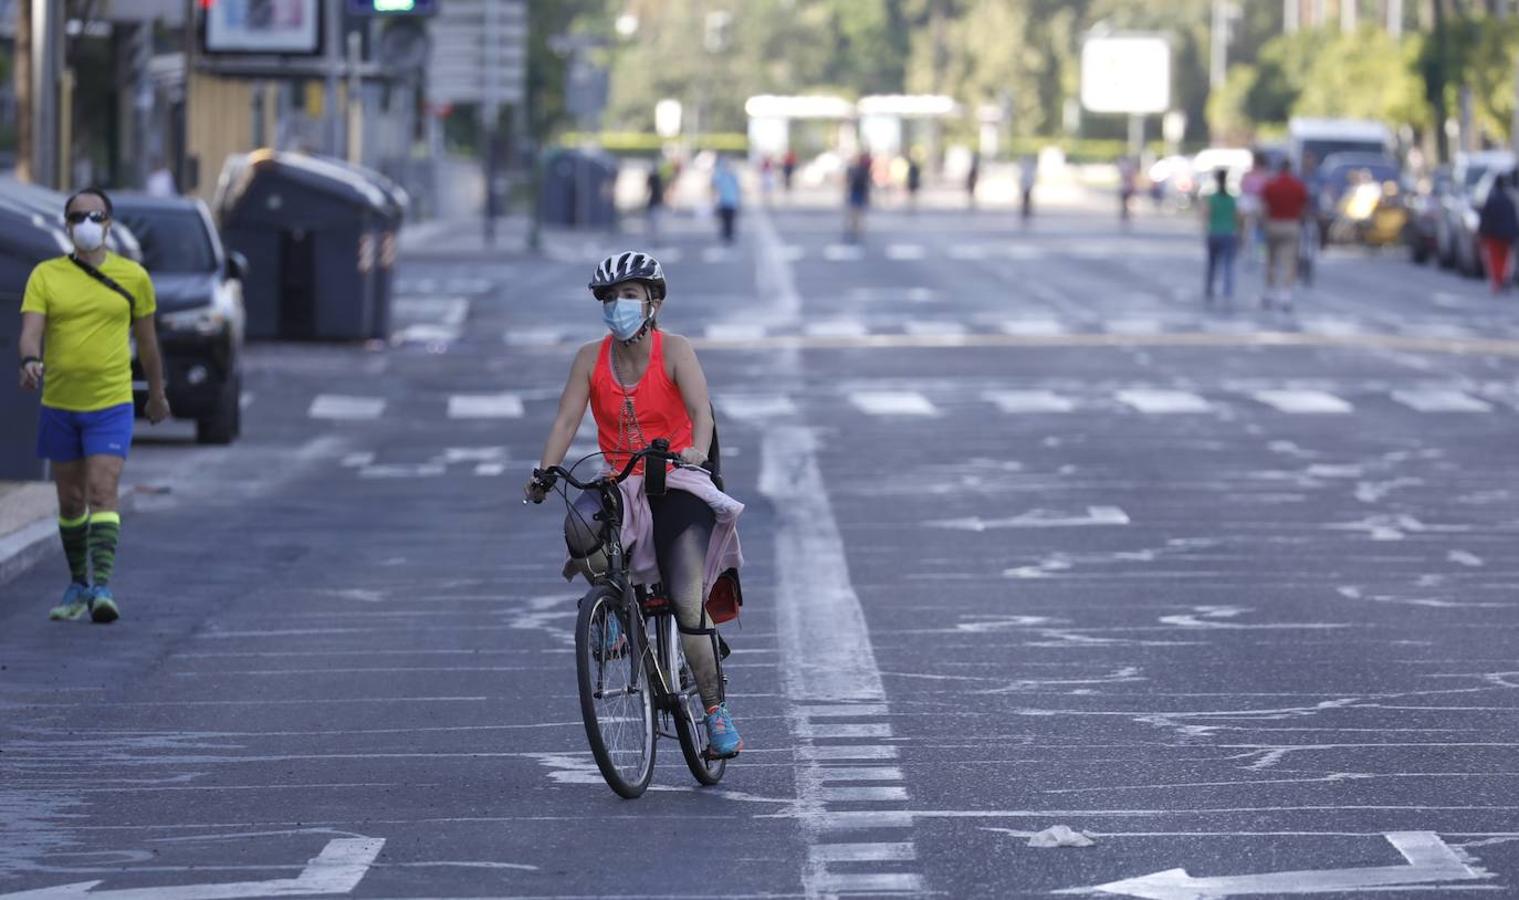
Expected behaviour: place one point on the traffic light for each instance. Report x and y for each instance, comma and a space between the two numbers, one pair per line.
392, 7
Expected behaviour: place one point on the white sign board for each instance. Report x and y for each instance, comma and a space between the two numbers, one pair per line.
479, 52
263, 26
1128, 74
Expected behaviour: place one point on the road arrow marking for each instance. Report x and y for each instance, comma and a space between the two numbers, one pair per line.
1096, 515
336, 870
1430, 860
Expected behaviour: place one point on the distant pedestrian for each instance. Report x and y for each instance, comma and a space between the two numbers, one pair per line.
1498, 227
1128, 178
857, 196
725, 188
914, 181
77, 316
788, 169
1222, 219
1028, 174
656, 202
767, 178
972, 179
1250, 206
160, 181
1285, 202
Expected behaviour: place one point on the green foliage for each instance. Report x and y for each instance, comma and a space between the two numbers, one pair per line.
1365, 75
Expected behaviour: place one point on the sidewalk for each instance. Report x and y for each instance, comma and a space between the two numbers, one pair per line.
28, 525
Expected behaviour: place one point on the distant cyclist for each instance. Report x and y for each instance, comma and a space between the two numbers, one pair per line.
643, 383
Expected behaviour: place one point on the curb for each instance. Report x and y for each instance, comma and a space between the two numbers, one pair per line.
31, 544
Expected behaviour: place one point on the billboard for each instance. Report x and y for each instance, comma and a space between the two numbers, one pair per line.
1126, 73
285, 27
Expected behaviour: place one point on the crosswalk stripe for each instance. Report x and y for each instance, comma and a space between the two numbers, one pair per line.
485, 406
735, 331
864, 852
933, 328
836, 328
893, 403
1434, 400
756, 406
1032, 327
1134, 326
904, 252
842, 253
1303, 401
717, 254
1163, 402
966, 252
339, 406
531, 337
1029, 401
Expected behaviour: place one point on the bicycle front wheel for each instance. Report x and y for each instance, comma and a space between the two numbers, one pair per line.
615, 700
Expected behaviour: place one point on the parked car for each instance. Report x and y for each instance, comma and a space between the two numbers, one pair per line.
1470, 260
1459, 208
200, 311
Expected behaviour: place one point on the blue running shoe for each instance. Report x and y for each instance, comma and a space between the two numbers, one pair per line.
612, 641
103, 606
75, 603
722, 737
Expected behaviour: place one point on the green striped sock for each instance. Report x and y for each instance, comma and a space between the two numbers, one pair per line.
76, 546
105, 529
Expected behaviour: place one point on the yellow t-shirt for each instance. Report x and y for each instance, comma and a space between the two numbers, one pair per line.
86, 352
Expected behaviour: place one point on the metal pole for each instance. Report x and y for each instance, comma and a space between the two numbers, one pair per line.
355, 113
1395, 18
489, 112
24, 93
1218, 61
1291, 16
1136, 137
1349, 17
47, 65
332, 51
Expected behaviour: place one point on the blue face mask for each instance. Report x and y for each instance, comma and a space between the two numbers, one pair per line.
623, 317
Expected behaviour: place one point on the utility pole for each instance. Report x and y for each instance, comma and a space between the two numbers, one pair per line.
46, 73
1218, 35
355, 112
22, 76
1291, 16
332, 52
490, 114
1349, 16
1395, 18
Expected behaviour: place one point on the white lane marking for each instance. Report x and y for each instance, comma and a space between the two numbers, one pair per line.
1029, 401
453, 455
836, 328
870, 883
843, 711
904, 252
1163, 402
860, 773
735, 331
867, 793
793, 252
829, 730
346, 408
750, 407
893, 403
532, 337
485, 406
1303, 401
846, 754
245, 400
966, 252
1032, 327
921, 327
1430, 860
490, 470
1039, 518
1434, 400
428, 333
864, 819
452, 311
842, 253
403, 470
717, 254
1134, 326
356, 460
877, 852
338, 869
1465, 558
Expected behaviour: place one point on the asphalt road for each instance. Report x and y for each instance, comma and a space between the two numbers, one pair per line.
1033, 539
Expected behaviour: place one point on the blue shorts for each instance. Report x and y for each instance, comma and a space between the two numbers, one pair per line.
64, 436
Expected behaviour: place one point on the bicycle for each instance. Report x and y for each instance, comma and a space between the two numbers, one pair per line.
627, 681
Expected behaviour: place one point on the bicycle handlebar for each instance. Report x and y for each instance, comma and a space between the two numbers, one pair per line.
547, 477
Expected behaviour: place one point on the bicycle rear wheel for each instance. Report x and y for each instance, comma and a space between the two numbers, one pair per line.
691, 719
615, 701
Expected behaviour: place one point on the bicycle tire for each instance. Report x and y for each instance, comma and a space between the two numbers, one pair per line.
625, 755
691, 728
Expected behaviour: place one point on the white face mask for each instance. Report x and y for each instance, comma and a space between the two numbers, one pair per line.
88, 235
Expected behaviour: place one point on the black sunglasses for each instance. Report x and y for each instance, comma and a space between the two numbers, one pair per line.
94, 215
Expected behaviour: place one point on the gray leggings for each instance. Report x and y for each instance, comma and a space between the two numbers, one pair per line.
683, 526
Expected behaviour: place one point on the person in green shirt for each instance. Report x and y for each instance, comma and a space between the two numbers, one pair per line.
1221, 214
78, 317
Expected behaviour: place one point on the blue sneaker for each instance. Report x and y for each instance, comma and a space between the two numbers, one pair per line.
722, 737
73, 606
103, 606
612, 641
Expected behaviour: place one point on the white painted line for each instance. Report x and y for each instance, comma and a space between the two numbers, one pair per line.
860, 773
485, 406
473, 454
735, 331
865, 819
755, 407
880, 852
870, 794
1163, 402
842, 253
1039, 518
490, 470
1032, 327
843, 711
905, 252
893, 403
355, 460
1017, 402
1433, 400
793, 252
345, 408
245, 400
847, 754
933, 328
870, 883
829, 730
428, 333
1134, 326
836, 328
532, 337
964, 252
1307, 402
717, 254
403, 470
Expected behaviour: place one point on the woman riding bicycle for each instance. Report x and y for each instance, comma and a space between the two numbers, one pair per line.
643, 384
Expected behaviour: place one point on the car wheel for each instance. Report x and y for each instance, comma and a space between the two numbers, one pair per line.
225, 424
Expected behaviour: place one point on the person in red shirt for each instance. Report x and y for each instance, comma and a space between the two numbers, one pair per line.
1285, 199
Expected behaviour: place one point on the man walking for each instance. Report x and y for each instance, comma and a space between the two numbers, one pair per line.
77, 316
725, 187
1285, 200
1499, 228
1222, 217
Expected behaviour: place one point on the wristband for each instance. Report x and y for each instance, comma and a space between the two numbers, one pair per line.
28, 360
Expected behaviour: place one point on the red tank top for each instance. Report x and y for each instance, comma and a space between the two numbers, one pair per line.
628, 418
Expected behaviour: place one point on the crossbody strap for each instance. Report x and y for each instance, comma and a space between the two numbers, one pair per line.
106, 280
